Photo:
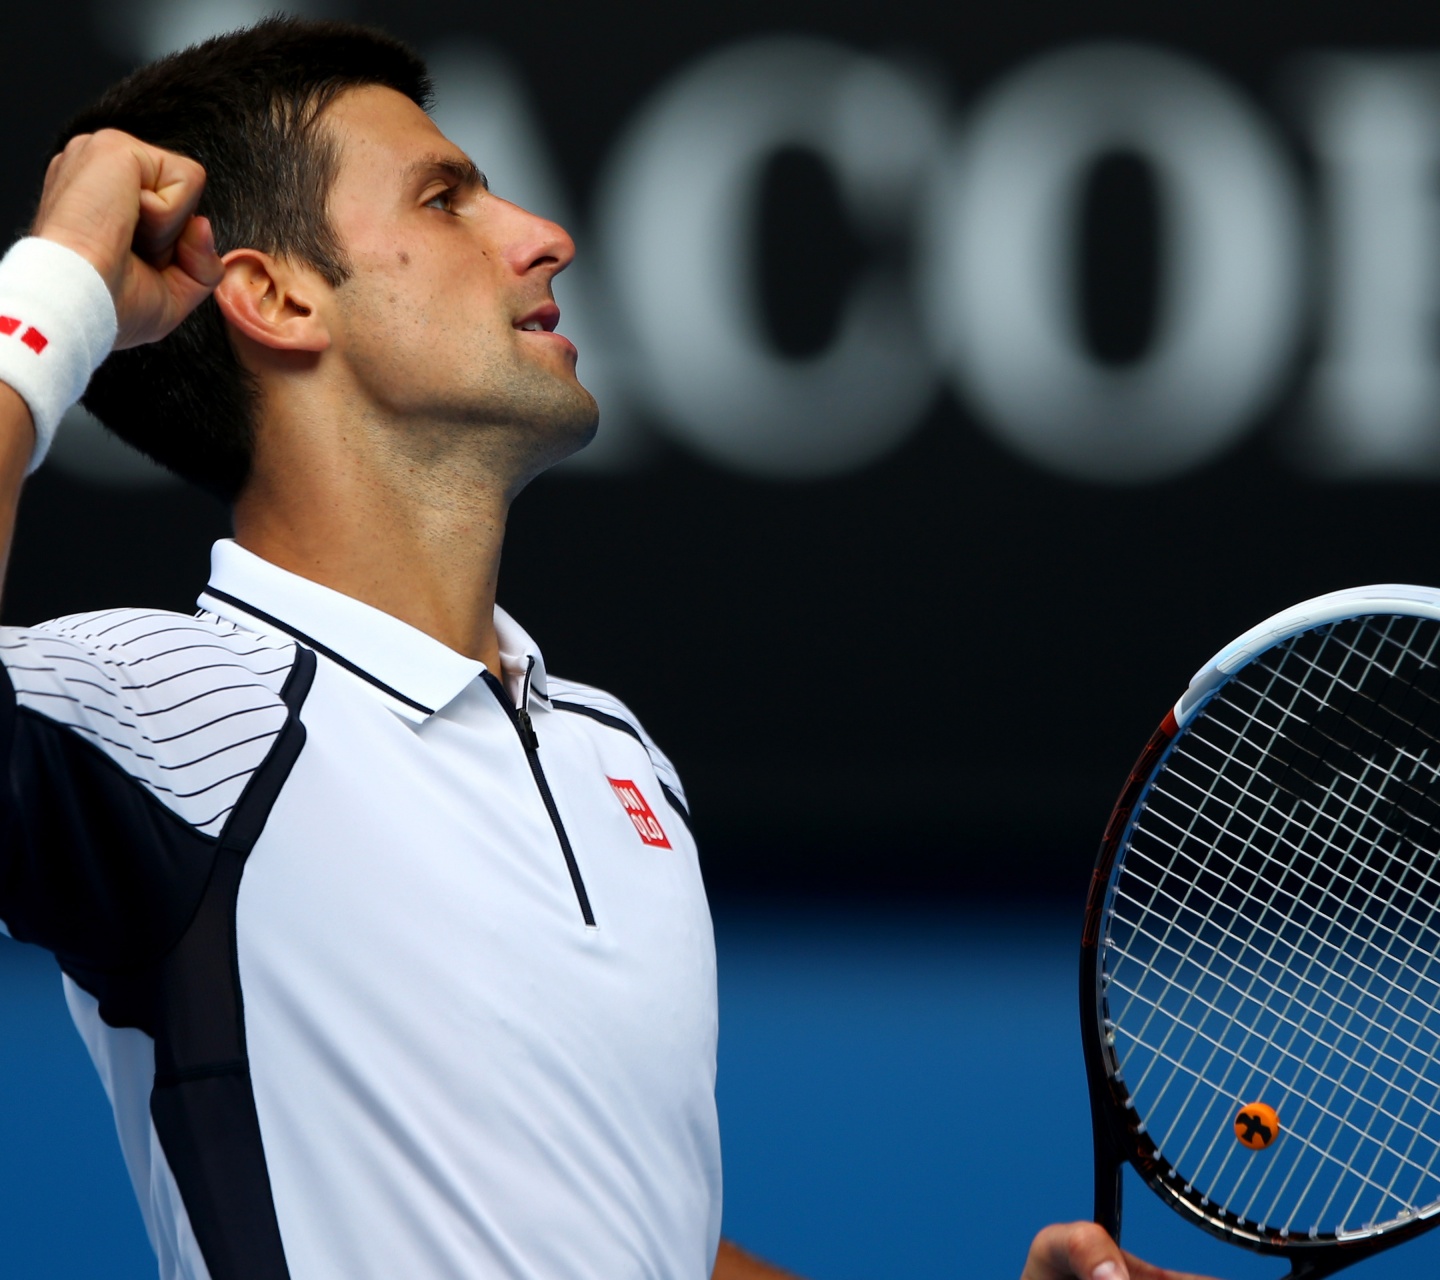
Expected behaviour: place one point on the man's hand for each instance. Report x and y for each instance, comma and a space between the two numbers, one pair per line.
129, 209
1083, 1251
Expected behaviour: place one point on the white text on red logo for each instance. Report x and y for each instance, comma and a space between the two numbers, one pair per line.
639, 812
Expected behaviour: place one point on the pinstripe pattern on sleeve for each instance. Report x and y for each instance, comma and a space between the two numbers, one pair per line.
188, 707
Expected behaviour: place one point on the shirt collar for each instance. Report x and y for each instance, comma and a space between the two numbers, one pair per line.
414, 672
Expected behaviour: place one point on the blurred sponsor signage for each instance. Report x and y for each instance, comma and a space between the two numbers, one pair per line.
983, 300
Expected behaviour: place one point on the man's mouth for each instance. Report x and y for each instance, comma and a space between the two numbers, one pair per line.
541, 320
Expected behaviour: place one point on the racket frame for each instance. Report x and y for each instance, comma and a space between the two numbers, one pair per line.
1119, 1135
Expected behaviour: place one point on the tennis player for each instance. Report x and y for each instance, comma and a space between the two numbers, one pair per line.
389, 945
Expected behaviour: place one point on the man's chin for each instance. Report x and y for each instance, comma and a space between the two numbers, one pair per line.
576, 434
567, 427
587, 428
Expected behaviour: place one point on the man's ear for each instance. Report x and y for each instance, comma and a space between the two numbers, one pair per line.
272, 302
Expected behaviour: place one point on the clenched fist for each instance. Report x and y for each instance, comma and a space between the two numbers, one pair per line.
129, 209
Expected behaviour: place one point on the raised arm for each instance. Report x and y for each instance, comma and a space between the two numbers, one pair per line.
127, 210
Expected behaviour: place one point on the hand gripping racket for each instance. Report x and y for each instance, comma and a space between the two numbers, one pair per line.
1260, 964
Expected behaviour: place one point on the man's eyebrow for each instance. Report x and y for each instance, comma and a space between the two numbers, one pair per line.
462, 172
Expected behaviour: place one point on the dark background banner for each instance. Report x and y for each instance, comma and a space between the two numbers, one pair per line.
968, 377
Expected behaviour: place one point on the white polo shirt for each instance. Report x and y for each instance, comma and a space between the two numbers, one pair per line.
390, 969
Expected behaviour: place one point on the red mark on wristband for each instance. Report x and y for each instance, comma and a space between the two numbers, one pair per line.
32, 337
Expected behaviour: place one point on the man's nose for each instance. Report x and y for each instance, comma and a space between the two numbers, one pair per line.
539, 244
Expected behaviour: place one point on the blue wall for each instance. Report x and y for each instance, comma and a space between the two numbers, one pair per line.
901, 1095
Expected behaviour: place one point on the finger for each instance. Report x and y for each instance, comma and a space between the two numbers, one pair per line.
158, 300
1083, 1251
193, 274
196, 256
154, 241
170, 191
155, 300
1075, 1251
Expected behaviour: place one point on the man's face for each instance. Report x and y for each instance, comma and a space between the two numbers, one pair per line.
446, 319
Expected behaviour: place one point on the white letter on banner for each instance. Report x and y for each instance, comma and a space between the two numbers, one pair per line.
1374, 405
482, 107
1001, 279
676, 219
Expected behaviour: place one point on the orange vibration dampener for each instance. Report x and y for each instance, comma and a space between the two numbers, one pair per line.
1256, 1126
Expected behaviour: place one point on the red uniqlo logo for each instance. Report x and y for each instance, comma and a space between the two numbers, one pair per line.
32, 337
640, 813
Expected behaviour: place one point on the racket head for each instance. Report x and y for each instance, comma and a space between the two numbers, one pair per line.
1262, 927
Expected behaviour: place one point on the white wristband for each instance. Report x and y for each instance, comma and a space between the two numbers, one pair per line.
57, 324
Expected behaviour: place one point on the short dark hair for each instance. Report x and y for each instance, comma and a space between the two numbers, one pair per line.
244, 105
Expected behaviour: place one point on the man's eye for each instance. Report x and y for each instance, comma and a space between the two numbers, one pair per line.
442, 201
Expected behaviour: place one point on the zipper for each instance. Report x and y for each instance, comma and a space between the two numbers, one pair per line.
530, 740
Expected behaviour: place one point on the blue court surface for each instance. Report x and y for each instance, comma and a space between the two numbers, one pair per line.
901, 1096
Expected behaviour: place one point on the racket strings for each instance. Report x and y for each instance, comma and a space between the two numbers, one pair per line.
1177, 924
1227, 1087
1174, 926
1322, 897
1252, 973
1350, 1107
1198, 1074
1269, 928
1422, 1045
1381, 1052
1420, 795
1293, 1026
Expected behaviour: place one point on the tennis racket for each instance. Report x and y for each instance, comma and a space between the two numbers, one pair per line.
1260, 962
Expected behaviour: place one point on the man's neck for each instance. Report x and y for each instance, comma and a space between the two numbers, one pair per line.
421, 544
